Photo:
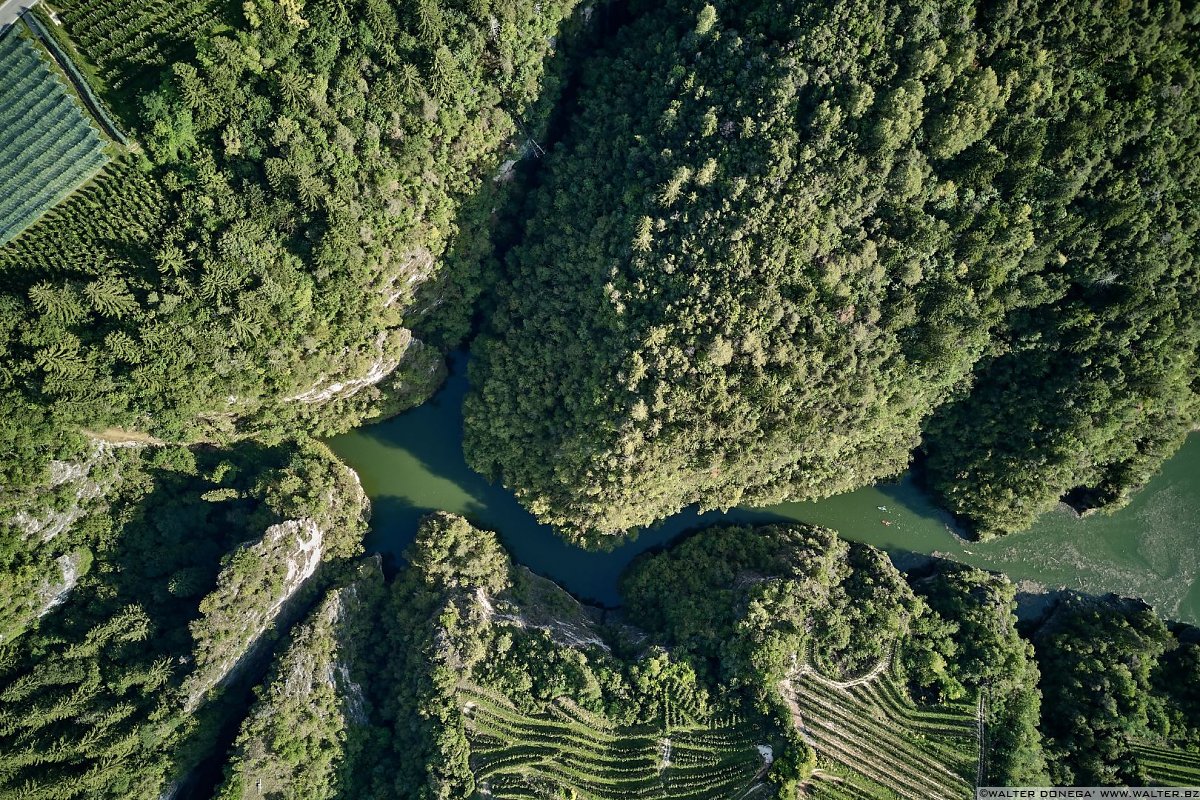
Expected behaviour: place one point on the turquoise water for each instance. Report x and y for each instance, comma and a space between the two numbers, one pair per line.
413, 464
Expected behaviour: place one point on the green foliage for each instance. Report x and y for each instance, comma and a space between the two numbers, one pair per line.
429, 627
298, 741
761, 315
305, 169
1097, 657
98, 696
890, 691
969, 643
873, 735
1120, 694
324, 518
1177, 679
775, 239
86, 715
497, 682
565, 751
748, 601
450, 553
120, 205
250, 269
1090, 383
1168, 766
778, 244
793, 766
127, 46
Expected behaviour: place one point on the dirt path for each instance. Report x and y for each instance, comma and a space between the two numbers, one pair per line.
788, 689
82, 90
981, 737
867, 677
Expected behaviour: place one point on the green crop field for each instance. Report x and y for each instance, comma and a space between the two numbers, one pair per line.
116, 215
871, 741
1168, 766
48, 143
122, 39
568, 750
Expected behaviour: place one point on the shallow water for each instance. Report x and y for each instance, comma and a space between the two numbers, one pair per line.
413, 464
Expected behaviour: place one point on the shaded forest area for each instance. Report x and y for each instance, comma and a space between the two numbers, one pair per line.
785, 245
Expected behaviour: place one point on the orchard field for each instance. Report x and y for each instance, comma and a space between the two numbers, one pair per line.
48, 143
872, 741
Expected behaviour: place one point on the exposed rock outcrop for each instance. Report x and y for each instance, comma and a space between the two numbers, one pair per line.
537, 602
261, 579
311, 701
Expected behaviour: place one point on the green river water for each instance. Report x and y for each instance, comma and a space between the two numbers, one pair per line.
413, 464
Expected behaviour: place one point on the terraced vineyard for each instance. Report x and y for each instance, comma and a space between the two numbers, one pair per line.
567, 749
48, 143
121, 39
871, 741
1168, 766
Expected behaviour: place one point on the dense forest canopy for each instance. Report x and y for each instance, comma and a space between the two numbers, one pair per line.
489, 658
1091, 381
301, 178
251, 267
1121, 680
778, 237
768, 251
121, 686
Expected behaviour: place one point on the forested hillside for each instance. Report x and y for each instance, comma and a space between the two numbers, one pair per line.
1123, 689
485, 680
1091, 381
702, 252
778, 236
136, 663
831, 628
247, 271
776, 658
261, 259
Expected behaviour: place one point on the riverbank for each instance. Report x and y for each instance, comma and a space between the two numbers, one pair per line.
412, 464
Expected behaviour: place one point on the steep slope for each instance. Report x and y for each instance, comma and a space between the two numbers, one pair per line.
202, 560
298, 741
1091, 382
522, 692
740, 657
779, 235
256, 268
253, 268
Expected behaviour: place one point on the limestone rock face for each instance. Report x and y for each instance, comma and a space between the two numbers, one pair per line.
314, 696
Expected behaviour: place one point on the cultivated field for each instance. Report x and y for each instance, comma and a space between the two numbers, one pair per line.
113, 216
568, 750
1168, 766
48, 143
122, 38
872, 742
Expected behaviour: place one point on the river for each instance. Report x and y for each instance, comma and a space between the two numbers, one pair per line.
413, 464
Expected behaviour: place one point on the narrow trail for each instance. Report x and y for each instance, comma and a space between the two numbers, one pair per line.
788, 689
875, 749
866, 677
981, 736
